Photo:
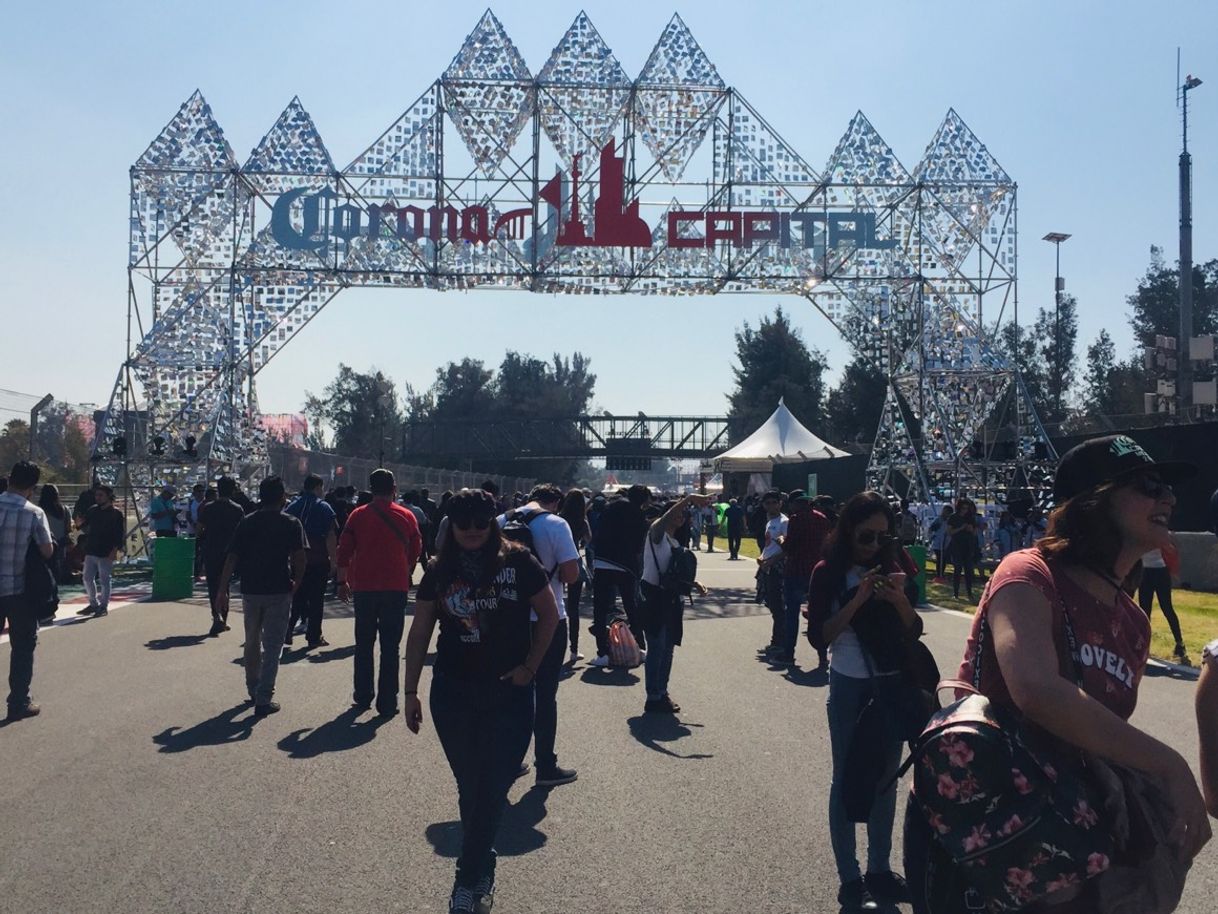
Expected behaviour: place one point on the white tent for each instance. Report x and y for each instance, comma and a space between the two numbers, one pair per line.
781, 439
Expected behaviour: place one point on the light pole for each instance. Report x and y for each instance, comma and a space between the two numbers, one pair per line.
1058, 284
1184, 374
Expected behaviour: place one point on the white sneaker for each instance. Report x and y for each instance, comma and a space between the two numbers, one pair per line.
575, 657
602, 661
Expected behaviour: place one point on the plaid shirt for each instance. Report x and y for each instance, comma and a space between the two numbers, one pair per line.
20, 522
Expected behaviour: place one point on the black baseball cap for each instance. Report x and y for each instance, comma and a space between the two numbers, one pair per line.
1109, 459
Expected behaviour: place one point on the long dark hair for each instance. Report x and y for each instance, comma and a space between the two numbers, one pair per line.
48, 501
574, 511
478, 505
839, 547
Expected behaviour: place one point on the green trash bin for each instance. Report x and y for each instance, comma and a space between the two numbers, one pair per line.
173, 567
918, 553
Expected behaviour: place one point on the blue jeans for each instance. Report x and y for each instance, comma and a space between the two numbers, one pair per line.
23, 638
847, 697
658, 665
378, 614
484, 727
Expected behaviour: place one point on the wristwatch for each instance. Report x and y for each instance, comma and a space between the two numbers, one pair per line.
1209, 653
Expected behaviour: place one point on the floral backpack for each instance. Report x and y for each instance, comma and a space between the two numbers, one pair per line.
1016, 822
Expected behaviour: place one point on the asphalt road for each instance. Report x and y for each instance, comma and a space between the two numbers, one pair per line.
147, 786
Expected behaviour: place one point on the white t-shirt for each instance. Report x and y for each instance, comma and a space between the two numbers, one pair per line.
1154, 559
554, 545
845, 652
774, 528
656, 555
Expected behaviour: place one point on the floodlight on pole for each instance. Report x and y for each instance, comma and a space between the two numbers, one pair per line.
1056, 239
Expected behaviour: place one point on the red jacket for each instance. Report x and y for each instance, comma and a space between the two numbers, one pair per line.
805, 542
375, 557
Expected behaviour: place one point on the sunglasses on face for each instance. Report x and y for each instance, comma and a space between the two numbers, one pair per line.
471, 523
870, 537
1150, 486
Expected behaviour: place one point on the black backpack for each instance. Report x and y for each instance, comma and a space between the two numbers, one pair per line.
517, 530
41, 589
681, 572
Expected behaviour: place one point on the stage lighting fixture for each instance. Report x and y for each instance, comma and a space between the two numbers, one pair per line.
191, 448
158, 445
118, 447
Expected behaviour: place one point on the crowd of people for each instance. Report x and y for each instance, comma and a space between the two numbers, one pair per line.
1057, 638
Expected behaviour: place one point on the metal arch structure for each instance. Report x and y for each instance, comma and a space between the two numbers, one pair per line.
581, 180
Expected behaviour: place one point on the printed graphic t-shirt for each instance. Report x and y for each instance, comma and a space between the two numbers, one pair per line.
1113, 637
485, 632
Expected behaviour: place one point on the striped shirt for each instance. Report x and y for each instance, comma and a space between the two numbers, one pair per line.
20, 522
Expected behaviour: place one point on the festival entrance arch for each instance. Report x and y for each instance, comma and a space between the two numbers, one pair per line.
574, 180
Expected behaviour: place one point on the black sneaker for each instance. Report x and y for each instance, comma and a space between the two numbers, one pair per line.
21, 713
524, 769
484, 895
87, 611
661, 706
100, 611
553, 777
853, 896
263, 710
461, 901
888, 887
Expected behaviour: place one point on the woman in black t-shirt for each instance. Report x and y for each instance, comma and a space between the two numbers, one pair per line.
482, 589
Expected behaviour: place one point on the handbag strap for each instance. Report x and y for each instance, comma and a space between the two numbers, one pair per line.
1071, 643
380, 512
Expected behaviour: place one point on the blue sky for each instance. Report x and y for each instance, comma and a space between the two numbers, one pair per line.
1074, 99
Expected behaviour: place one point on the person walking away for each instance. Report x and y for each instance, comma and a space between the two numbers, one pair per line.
411, 501
734, 518
1156, 582
770, 570
218, 522
104, 531
962, 546
555, 550
807, 530
320, 525
60, 521
163, 512
858, 588
939, 541
21, 523
908, 524
695, 528
268, 550
574, 511
482, 589
710, 525
662, 607
1058, 642
377, 554
617, 547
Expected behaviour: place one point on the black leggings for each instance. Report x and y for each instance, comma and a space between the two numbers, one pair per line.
1156, 582
962, 563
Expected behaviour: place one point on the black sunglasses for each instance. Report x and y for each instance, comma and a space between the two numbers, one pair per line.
475, 523
868, 537
1150, 486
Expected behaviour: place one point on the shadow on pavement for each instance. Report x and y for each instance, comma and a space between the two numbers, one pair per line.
339, 653
818, 678
653, 729
518, 833
222, 729
608, 676
164, 644
1171, 672
344, 732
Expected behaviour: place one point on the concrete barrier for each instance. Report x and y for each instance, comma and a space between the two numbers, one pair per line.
1198, 561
